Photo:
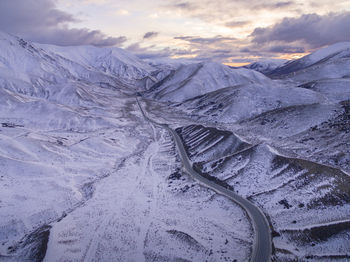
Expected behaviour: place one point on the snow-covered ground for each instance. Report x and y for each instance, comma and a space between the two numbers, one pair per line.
84, 177
329, 62
233, 104
288, 150
299, 196
192, 80
266, 66
148, 211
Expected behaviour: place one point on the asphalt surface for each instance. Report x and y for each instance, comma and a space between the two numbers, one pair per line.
262, 241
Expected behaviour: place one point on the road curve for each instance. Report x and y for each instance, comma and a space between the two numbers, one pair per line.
262, 240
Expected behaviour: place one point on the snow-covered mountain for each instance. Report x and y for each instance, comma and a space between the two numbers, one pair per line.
115, 62
79, 162
266, 66
84, 176
306, 201
329, 62
197, 79
240, 102
283, 144
32, 67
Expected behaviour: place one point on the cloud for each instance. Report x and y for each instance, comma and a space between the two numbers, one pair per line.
311, 29
224, 11
150, 35
96, 2
283, 4
234, 24
204, 40
272, 49
150, 53
274, 5
122, 12
285, 49
66, 37
41, 21
218, 48
184, 6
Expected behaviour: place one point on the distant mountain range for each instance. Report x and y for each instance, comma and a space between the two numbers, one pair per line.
328, 62
266, 66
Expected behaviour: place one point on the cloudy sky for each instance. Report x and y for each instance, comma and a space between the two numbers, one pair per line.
228, 31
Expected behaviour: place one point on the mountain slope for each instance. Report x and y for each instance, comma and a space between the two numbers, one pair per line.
193, 80
266, 66
32, 68
329, 62
88, 175
112, 61
307, 202
234, 104
83, 174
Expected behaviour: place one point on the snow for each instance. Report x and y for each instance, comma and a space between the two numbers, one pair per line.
113, 61
33, 68
296, 194
331, 70
334, 90
328, 51
229, 105
266, 66
197, 79
49, 156
145, 215
329, 62
78, 159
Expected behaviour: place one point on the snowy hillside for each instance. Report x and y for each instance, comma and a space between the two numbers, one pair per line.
197, 79
294, 192
236, 103
86, 177
329, 62
266, 66
113, 61
82, 171
284, 144
330, 53
32, 67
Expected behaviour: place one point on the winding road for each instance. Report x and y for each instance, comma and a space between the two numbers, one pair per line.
262, 240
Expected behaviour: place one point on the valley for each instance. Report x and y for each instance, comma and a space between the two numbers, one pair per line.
212, 164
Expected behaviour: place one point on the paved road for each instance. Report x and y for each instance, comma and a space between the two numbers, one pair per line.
262, 240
